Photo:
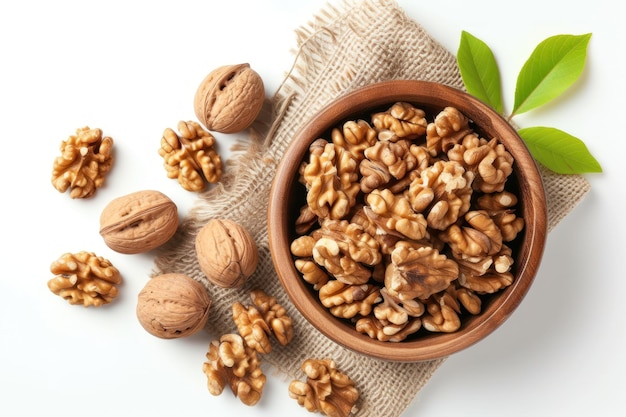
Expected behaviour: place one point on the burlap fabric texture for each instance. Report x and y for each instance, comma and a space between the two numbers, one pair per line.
346, 46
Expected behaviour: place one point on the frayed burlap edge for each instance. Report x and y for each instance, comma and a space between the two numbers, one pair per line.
342, 48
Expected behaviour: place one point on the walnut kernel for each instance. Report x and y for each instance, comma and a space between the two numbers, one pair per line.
85, 160
326, 389
84, 278
231, 362
190, 156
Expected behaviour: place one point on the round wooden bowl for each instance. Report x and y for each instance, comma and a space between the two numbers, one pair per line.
288, 196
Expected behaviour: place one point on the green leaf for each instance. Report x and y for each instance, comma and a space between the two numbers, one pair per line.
479, 71
559, 151
555, 64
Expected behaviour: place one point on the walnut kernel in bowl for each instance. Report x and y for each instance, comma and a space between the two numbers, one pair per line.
407, 212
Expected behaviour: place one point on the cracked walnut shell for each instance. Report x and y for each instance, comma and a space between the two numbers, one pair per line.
84, 278
173, 305
227, 253
85, 160
230, 98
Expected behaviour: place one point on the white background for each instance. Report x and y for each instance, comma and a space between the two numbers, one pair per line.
132, 68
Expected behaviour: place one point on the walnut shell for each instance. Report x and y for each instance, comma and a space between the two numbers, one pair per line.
230, 98
227, 253
138, 222
172, 306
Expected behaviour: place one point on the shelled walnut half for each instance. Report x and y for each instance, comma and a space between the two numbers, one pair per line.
326, 389
258, 321
84, 278
231, 362
85, 160
190, 156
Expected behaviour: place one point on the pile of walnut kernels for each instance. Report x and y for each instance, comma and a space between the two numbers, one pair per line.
407, 223
174, 305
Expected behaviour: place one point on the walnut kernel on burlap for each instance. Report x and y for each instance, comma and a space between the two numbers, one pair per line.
344, 47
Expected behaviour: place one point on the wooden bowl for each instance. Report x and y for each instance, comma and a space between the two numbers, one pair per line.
288, 196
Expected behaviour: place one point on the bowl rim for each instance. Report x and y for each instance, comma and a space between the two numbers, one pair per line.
535, 216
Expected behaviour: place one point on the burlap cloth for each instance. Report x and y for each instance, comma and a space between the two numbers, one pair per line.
344, 47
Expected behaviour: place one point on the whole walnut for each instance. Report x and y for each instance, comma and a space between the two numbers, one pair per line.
230, 98
227, 253
173, 305
138, 222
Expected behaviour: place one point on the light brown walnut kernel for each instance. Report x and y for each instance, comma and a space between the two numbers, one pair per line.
386, 241
85, 160
355, 137
449, 128
306, 220
312, 273
442, 192
442, 313
264, 318
190, 156
252, 327
275, 315
468, 299
488, 160
395, 310
486, 275
393, 214
327, 253
386, 161
347, 301
302, 247
331, 179
84, 278
478, 237
497, 201
494, 276
345, 251
500, 207
230, 362
419, 273
386, 331
400, 121
352, 240
326, 389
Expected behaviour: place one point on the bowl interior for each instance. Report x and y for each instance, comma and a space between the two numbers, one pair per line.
288, 195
